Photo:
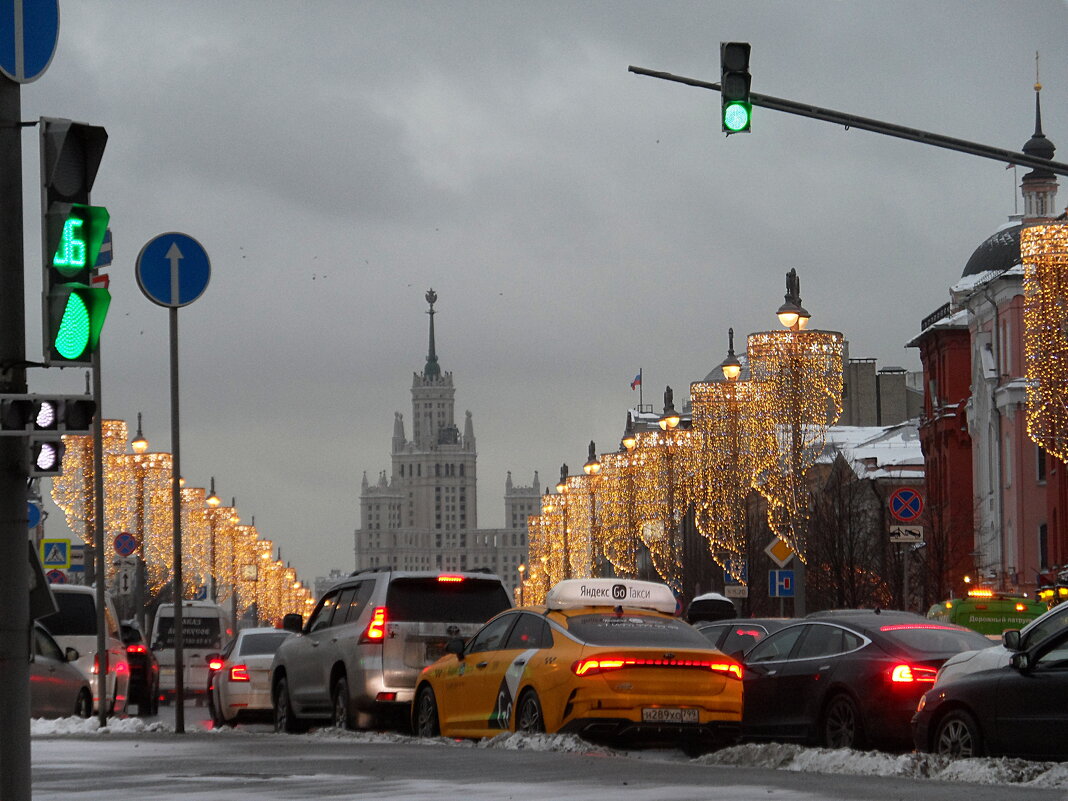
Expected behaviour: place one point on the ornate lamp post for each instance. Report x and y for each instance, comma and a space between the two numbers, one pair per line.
799, 396
521, 570
213, 501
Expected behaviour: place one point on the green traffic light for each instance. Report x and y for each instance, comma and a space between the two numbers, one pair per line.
737, 116
79, 241
72, 338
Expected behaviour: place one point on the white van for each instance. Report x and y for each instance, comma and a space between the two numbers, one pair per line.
206, 629
74, 626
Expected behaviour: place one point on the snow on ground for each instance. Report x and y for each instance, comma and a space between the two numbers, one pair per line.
777, 756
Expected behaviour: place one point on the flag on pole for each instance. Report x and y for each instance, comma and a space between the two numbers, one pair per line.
637, 382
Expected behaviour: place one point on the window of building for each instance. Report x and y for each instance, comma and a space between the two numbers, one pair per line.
1040, 464
1043, 546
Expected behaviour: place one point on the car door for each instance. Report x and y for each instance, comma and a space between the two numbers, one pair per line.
810, 670
762, 713
44, 701
306, 654
475, 688
1031, 703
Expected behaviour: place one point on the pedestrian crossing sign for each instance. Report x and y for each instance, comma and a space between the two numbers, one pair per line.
55, 554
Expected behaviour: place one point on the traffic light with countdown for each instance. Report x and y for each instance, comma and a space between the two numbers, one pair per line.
737, 108
72, 230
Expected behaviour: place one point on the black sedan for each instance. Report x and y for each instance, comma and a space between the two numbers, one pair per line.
1013, 710
846, 680
735, 637
144, 672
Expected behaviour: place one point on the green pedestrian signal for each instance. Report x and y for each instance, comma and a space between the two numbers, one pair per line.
72, 232
737, 108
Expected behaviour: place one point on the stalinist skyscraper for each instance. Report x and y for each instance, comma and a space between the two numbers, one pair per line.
424, 514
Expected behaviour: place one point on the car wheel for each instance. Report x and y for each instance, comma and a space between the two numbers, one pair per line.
217, 720
958, 736
83, 707
529, 719
426, 713
340, 695
841, 723
284, 718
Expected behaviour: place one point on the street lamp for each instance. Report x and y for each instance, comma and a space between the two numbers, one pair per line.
521, 569
561, 489
213, 502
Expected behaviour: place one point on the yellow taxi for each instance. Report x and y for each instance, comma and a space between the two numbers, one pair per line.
603, 658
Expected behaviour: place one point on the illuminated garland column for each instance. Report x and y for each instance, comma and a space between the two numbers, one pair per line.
618, 527
1044, 249
725, 430
799, 396
552, 515
195, 540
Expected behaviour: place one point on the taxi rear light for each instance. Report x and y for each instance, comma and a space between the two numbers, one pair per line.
910, 674
239, 673
376, 629
450, 578
593, 666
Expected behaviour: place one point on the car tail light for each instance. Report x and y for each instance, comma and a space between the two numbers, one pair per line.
215, 664
376, 629
122, 666
386, 697
449, 578
593, 666
239, 673
136, 648
909, 674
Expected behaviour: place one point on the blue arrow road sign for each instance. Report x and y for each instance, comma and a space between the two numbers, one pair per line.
29, 30
173, 270
781, 583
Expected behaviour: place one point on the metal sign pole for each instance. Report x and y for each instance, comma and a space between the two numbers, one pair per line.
98, 545
176, 512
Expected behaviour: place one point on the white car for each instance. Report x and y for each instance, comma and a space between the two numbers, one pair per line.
1011, 641
74, 626
239, 679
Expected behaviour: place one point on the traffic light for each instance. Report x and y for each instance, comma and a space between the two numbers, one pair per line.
72, 230
44, 421
734, 86
46, 457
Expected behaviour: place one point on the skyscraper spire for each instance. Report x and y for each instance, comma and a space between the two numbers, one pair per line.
432, 370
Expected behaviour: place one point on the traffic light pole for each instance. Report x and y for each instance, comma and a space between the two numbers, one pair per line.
15, 783
875, 126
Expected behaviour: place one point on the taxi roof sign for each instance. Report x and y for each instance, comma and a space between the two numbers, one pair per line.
579, 593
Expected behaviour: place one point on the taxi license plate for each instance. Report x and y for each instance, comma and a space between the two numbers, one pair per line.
669, 715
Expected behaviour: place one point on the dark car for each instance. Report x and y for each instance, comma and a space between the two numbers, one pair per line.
1013, 710
846, 680
735, 637
144, 671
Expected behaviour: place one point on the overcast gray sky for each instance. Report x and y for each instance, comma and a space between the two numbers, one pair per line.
578, 222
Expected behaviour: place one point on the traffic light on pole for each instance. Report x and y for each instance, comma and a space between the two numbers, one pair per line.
44, 420
73, 311
734, 86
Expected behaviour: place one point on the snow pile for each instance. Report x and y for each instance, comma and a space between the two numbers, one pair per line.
1001, 770
41, 727
563, 743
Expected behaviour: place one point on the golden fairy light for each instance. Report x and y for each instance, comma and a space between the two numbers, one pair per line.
799, 378
617, 521
725, 431
1044, 250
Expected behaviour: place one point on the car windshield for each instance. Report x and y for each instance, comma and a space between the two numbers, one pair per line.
631, 628
197, 632
427, 599
76, 615
931, 638
265, 643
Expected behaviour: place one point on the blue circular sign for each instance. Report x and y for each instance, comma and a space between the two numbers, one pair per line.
33, 514
125, 543
906, 504
173, 270
29, 30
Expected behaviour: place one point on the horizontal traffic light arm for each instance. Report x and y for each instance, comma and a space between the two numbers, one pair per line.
875, 126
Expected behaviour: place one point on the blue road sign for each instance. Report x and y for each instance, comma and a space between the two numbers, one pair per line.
33, 514
125, 543
104, 257
906, 504
173, 270
736, 566
29, 30
781, 583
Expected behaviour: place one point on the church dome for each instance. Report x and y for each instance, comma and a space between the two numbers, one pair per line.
998, 252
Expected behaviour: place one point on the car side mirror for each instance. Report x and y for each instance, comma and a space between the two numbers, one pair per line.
1011, 639
293, 622
71, 654
455, 645
1021, 660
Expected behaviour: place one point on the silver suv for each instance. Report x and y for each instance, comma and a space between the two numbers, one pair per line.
355, 662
